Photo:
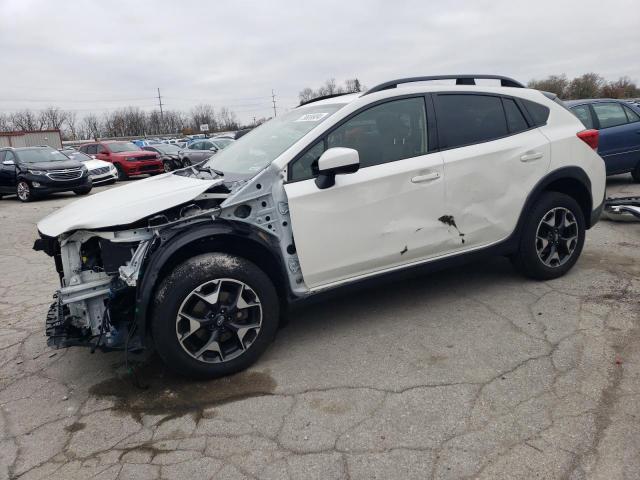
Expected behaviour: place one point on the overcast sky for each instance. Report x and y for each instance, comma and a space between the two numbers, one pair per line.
102, 55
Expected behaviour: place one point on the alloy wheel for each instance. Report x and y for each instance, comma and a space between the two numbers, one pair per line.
23, 191
219, 320
556, 237
166, 166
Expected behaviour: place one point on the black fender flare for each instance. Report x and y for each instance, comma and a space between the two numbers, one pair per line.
165, 247
564, 173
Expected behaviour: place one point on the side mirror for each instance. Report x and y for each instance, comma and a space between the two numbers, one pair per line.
213, 149
335, 161
8, 162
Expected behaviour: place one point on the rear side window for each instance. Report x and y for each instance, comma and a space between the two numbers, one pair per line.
583, 112
515, 119
609, 114
539, 113
467, 119
631, 115
92, 149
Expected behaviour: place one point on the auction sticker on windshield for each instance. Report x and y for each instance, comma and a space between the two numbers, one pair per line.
312, 117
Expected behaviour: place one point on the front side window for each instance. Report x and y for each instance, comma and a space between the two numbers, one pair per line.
609, 114
195, 146
583, 112
385, 133
92, 149
9, 157
467, 119
102, 149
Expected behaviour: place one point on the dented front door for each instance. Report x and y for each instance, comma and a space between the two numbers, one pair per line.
381, 217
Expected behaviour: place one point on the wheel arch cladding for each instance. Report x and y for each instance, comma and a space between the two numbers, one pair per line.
572, 181
224, 237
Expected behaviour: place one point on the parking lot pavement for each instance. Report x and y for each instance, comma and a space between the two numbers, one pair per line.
474, 372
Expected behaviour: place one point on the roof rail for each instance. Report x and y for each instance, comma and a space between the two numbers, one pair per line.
460, 80
324, 97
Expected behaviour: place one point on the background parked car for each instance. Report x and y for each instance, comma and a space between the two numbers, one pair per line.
101, 172
619, 125
221, 142
144, 142
198, 151
128, 158
169, 154
31, 172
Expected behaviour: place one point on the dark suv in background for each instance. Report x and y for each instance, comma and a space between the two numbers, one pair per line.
31, 172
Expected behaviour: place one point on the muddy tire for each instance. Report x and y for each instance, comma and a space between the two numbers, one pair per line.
214, 315
552, 238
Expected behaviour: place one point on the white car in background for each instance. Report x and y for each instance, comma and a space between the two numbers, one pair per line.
101, 172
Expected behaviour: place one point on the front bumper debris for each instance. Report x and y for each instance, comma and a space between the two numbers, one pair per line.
623, 209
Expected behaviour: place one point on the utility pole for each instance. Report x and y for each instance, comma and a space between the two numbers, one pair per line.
161, 114
254, 121
273, 99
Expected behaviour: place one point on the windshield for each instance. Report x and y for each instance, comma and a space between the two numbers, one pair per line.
82, 157
167, 149
264, 144
118, 147
222, 142
35, 155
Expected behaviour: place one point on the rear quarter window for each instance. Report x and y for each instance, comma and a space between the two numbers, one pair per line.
538, 113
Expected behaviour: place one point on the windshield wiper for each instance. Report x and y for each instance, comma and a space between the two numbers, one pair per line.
211, 170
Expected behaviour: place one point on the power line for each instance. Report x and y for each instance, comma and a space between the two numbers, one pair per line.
273, 99
160, 103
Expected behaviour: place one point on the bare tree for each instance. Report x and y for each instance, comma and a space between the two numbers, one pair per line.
553, 83
6, 125
25, 120
91, 127
227, 119
202, 114
352, 85
72, 125
621, 88
585, 86
52, 118
306, 94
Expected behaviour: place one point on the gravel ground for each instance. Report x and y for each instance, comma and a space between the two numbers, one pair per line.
473, 372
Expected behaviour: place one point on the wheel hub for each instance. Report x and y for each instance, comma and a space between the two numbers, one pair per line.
556, 237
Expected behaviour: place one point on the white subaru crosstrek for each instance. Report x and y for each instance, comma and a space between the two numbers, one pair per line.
200, 263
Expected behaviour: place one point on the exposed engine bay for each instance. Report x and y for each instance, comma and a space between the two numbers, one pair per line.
98, 303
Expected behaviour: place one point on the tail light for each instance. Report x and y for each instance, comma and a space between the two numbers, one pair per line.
590, 137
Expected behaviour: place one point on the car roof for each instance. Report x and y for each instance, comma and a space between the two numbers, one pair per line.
583, 101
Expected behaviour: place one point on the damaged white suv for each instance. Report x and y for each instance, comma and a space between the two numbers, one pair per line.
199, 263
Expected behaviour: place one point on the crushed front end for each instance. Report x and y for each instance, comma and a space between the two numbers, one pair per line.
94, 305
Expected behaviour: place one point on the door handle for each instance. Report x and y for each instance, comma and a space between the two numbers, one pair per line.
426, 177
530, 157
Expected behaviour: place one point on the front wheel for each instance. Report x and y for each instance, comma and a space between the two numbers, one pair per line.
214, 315
23, 191
82, 191
552, 238
186, 162
122, 175
166, 166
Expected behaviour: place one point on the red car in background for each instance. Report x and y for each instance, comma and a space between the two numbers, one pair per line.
128, 158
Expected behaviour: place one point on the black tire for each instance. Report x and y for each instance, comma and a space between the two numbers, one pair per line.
111, 182
527, 260
167, 166
186, 162
635, 173
82, 191
174, 292
23, 191
122, 175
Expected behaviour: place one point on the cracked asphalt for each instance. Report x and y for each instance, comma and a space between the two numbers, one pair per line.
470, 373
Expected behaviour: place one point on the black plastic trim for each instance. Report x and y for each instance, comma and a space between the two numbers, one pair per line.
162, 253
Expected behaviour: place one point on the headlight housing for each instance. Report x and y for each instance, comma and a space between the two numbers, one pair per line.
36, 172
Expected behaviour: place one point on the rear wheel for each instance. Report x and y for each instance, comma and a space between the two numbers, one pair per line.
122, 175
214, 315
553, 237
23, 191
